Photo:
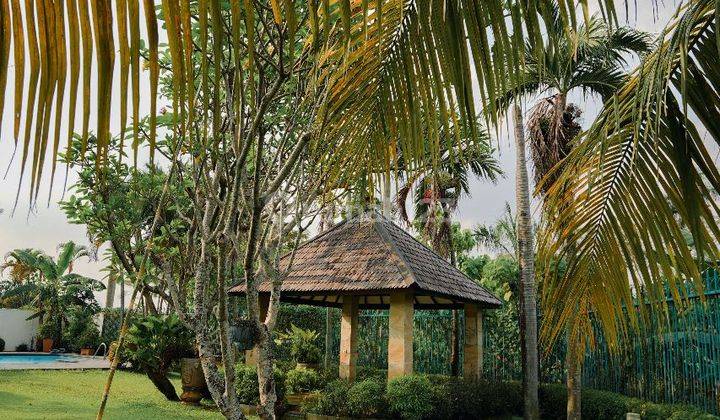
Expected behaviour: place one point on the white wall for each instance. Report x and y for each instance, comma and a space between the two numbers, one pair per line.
15, 329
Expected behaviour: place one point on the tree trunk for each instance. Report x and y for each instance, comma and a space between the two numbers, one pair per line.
573, 363
266, 377
163, 384
387, 197
528, 310
455, 351
455, 333
109, 300
110, 292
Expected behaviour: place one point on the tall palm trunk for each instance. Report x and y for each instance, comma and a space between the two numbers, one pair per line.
573, 359
109, 299
386, 197
573, 364
326, 222
528, 309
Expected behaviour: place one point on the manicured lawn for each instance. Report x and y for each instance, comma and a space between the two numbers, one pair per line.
66, 394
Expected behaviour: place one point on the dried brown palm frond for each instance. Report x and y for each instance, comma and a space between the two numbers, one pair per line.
551, 132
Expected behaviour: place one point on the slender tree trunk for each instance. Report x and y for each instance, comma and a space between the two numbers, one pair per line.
528, 309
122, 299
110, 292
573, 363
326, 222
455, 333
387, 197
109, 300
573, 360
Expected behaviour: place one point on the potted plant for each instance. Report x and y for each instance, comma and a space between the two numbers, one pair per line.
88, 340
302, 346
81, 334
48, 333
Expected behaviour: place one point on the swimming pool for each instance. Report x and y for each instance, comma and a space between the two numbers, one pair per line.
50, 361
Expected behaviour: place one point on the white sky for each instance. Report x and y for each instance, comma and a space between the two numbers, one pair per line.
46, 227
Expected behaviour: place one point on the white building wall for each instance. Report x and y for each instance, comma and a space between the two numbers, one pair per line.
15, 329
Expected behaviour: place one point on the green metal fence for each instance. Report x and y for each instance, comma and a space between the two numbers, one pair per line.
682, 365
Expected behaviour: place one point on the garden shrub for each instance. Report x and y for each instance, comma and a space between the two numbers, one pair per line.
22, 347
410, 397
364, 372
154, 345
247, 387
302, 380
2, 344
81, 331
465, 399
332, 401
302, 343
366, 398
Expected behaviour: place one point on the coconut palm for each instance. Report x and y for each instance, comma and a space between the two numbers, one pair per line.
591, 60
54, 285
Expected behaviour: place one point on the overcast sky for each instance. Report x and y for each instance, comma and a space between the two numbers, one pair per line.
45, 227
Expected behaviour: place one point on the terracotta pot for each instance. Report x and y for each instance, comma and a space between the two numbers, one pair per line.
47, 345
193, 381
87, 351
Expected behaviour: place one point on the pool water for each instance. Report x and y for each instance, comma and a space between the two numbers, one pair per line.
37, 359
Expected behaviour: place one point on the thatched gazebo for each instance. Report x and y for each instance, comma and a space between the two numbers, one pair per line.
371, 263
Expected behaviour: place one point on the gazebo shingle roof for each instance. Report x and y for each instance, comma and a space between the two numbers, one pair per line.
372, 256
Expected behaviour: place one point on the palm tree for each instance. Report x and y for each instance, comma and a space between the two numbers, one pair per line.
436, 194
500, 236
52, 281
591, 60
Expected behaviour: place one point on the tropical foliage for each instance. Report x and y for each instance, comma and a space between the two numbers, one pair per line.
155, 344
54, 287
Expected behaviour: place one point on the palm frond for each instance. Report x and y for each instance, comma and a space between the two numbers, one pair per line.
387, 66
633, 182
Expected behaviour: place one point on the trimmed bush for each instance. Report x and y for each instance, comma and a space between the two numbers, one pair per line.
410, 397
366, 399
248, 389
2, 344
22, 347
332, 401
302, 380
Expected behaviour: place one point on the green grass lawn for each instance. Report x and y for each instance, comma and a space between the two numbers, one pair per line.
67, 394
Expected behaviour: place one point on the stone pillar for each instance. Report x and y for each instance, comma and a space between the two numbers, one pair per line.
251, 357
400, 346
348, 337
473, 346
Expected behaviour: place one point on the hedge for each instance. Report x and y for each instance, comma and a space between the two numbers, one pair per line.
442, 397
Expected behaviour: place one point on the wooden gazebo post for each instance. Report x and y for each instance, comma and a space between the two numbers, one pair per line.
473, 346
348, 337
400, 345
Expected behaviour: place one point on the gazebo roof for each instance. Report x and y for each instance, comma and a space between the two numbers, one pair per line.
372, 257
